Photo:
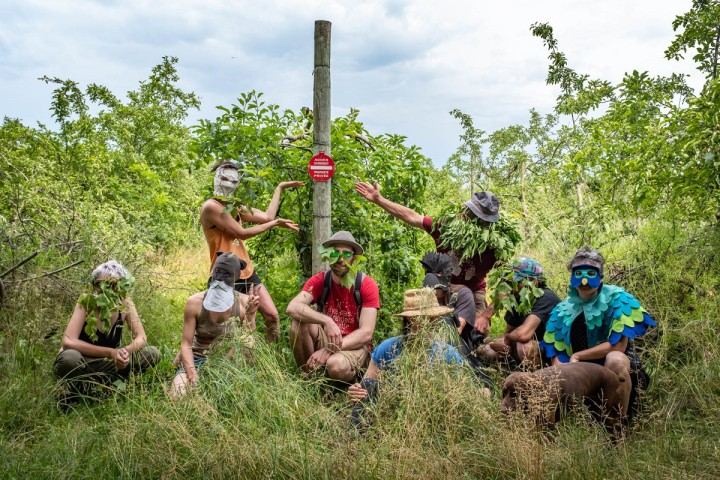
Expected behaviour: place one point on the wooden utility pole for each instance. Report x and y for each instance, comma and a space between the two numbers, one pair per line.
321, 138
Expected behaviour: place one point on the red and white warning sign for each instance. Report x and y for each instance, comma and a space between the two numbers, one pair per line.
321, 167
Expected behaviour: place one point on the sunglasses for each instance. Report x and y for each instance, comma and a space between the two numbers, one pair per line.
345, 254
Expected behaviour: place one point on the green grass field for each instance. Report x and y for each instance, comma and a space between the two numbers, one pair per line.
263, 420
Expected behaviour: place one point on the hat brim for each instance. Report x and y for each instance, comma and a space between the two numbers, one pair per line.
427, 312
479, 213
355, 246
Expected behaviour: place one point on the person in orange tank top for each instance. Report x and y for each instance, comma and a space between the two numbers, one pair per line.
224, 232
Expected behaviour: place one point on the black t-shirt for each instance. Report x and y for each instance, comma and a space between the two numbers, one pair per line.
542, 308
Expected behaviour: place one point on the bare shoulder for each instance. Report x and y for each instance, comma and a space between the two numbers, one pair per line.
210, 207
194, 303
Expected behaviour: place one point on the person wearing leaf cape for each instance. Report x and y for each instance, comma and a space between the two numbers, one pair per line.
92, 352
521, 291
222, 220
597, 323
474, 236
337, 338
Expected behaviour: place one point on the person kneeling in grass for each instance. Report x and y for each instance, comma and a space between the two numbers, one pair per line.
528, 302
92, 353
421, 308
210, 316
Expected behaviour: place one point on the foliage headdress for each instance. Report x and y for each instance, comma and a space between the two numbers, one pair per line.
514, 287
110, 284
467, 235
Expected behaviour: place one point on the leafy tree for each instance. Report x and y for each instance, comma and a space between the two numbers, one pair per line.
700, 30
274, 145
112, 179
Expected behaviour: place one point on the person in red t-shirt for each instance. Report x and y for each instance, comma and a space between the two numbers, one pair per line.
339, 337
472, 271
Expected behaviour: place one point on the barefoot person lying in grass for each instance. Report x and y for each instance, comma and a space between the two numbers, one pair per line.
92, 352
210, 316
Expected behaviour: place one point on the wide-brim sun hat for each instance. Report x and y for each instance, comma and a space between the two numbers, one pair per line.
343, 237
484, 205
421, 302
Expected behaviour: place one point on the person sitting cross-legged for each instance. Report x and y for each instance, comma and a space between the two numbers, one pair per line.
337, 335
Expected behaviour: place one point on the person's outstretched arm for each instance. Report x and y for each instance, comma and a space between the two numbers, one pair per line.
258, 216
371, 193
212, 213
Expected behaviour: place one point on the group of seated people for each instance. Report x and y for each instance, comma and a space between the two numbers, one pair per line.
332, 325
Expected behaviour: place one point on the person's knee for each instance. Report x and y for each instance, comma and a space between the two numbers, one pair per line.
338, 367
180, 386
68, 363
618, 362
528, 351
148, 357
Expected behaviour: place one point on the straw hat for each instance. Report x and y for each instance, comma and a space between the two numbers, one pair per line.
421, 301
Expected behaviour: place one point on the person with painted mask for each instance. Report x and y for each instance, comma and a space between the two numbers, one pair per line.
212, 315
92, 350
336, 336
525, 319
224, 232
597, 323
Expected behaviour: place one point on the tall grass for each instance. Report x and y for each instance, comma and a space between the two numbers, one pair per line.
260, 418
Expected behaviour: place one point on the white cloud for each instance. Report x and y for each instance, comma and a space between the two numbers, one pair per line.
404, 64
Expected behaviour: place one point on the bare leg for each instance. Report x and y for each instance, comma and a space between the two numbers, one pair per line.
338, 367
620, 364
529, 353
302, 341
270, 314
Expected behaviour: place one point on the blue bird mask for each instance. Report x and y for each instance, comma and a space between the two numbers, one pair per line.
585, 275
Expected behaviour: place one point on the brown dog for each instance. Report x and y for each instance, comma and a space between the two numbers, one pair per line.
548, 394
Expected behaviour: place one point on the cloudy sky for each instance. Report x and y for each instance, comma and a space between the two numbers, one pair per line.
403, 63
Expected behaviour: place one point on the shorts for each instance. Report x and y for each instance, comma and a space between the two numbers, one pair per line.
198, 362
359, 359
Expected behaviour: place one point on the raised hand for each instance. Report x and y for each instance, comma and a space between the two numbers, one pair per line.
291, 184
289, 224
371, 193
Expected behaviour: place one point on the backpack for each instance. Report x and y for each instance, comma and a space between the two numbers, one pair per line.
326, 292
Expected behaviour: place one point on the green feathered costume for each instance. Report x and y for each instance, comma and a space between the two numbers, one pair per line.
610, 316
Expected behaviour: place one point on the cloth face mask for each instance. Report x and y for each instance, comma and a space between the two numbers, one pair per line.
226, 181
